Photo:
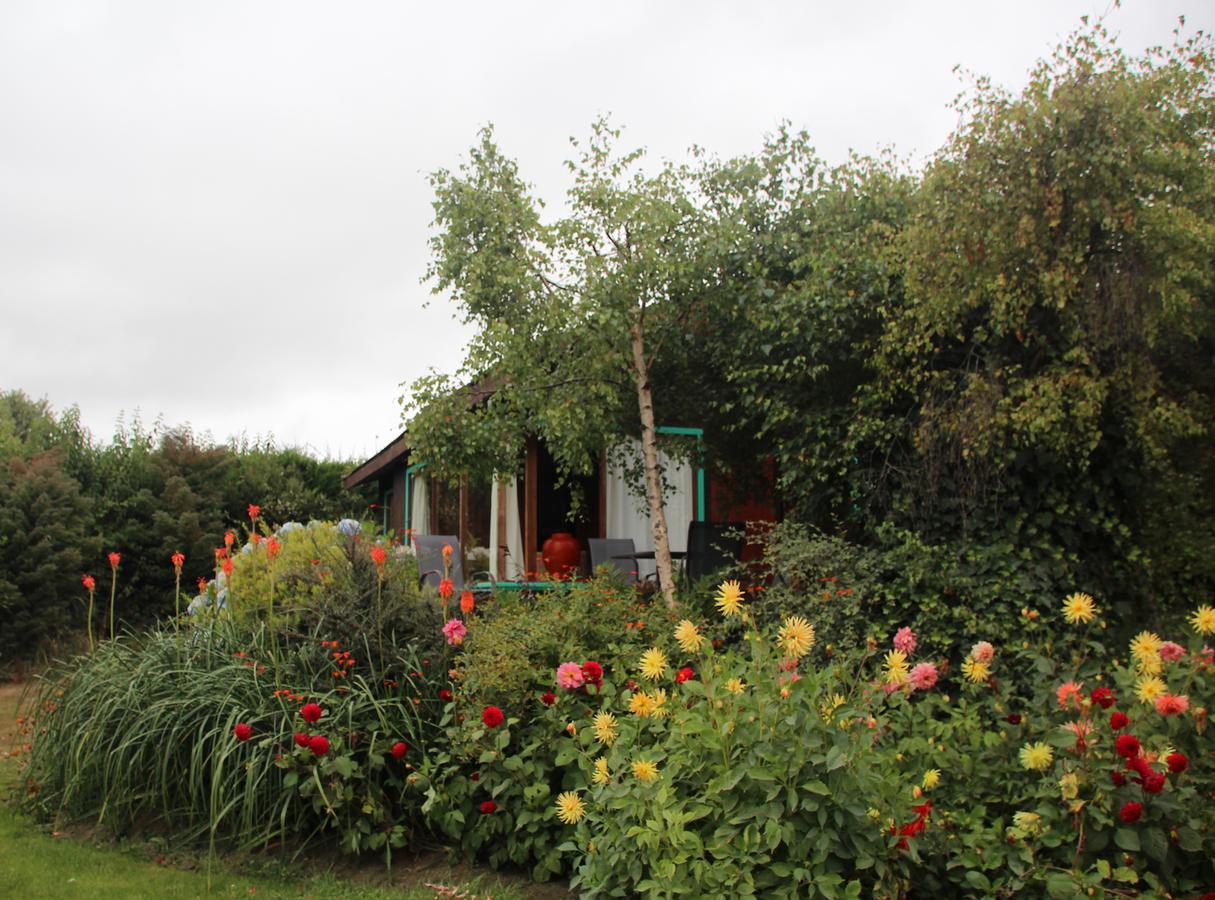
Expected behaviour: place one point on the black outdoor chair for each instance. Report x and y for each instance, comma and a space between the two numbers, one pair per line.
619, 553
713, 546
429, 548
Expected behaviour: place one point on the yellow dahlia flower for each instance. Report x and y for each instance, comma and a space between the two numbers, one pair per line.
1079, 609
1203, 620
642, 704
1036, 756
735, 686
729, 598
601, 774
896, 667
1149, 687
644, 770
605, 728
975, 671
689, 637
1146, 646
931, 779
796, 636
569, 808
653, 664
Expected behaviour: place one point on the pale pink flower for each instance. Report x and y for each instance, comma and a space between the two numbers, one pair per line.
982, 652
569, 675
1171, 652
904, 640
1172, 704
923, 676
1080, 729
454, 630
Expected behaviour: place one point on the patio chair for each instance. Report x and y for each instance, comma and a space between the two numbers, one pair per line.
429, 548
620, 553
713, 546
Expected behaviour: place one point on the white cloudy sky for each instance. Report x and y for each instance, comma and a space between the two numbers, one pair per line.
217, 212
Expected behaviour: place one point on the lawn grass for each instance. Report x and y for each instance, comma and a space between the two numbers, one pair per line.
35, 862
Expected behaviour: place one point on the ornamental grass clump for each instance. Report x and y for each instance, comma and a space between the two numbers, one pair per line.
204, 746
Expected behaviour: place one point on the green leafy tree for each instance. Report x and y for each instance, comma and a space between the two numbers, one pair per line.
572, 315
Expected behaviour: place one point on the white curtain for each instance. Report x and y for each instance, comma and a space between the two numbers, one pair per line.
628, 515
419, 504
515, 564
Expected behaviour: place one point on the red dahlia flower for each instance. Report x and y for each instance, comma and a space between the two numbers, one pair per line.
1127, 745
548, 698
1014, 719
1153, 782
399, 749
1118, 720
684, 674
488, 808
1139, 766
1103, 697
1130, 812
1118, 778
1178, 763
243, 731
311, 712
592, 672
492, 717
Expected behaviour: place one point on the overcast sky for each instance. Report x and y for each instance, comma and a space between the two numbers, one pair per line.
217, 212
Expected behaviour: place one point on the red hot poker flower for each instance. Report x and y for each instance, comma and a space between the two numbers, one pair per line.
379, 556
115, 559
179, 560
446, 588
467, 602
492, 717
311, 712
229, 539
202, 584
272, 548
243, 731
254, 511
228, 566
89, 582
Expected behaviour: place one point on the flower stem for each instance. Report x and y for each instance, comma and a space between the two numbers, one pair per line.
113, 593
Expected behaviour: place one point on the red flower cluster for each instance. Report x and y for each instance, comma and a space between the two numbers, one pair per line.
592, 673
548, 698
488, 808
311, 712
492, 717
243, 731
115, 559
684, 674
915, 826
89, 582
445, 695
179, 560
1130, 812
1119, 720
379, 556
1103, 697
254, 511
399, 749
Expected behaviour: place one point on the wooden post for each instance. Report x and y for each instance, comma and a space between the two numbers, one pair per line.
463, 526
603, 479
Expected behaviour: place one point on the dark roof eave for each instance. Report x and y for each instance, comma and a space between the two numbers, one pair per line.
395, 453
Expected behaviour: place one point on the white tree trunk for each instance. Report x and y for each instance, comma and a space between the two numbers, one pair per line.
653, 478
